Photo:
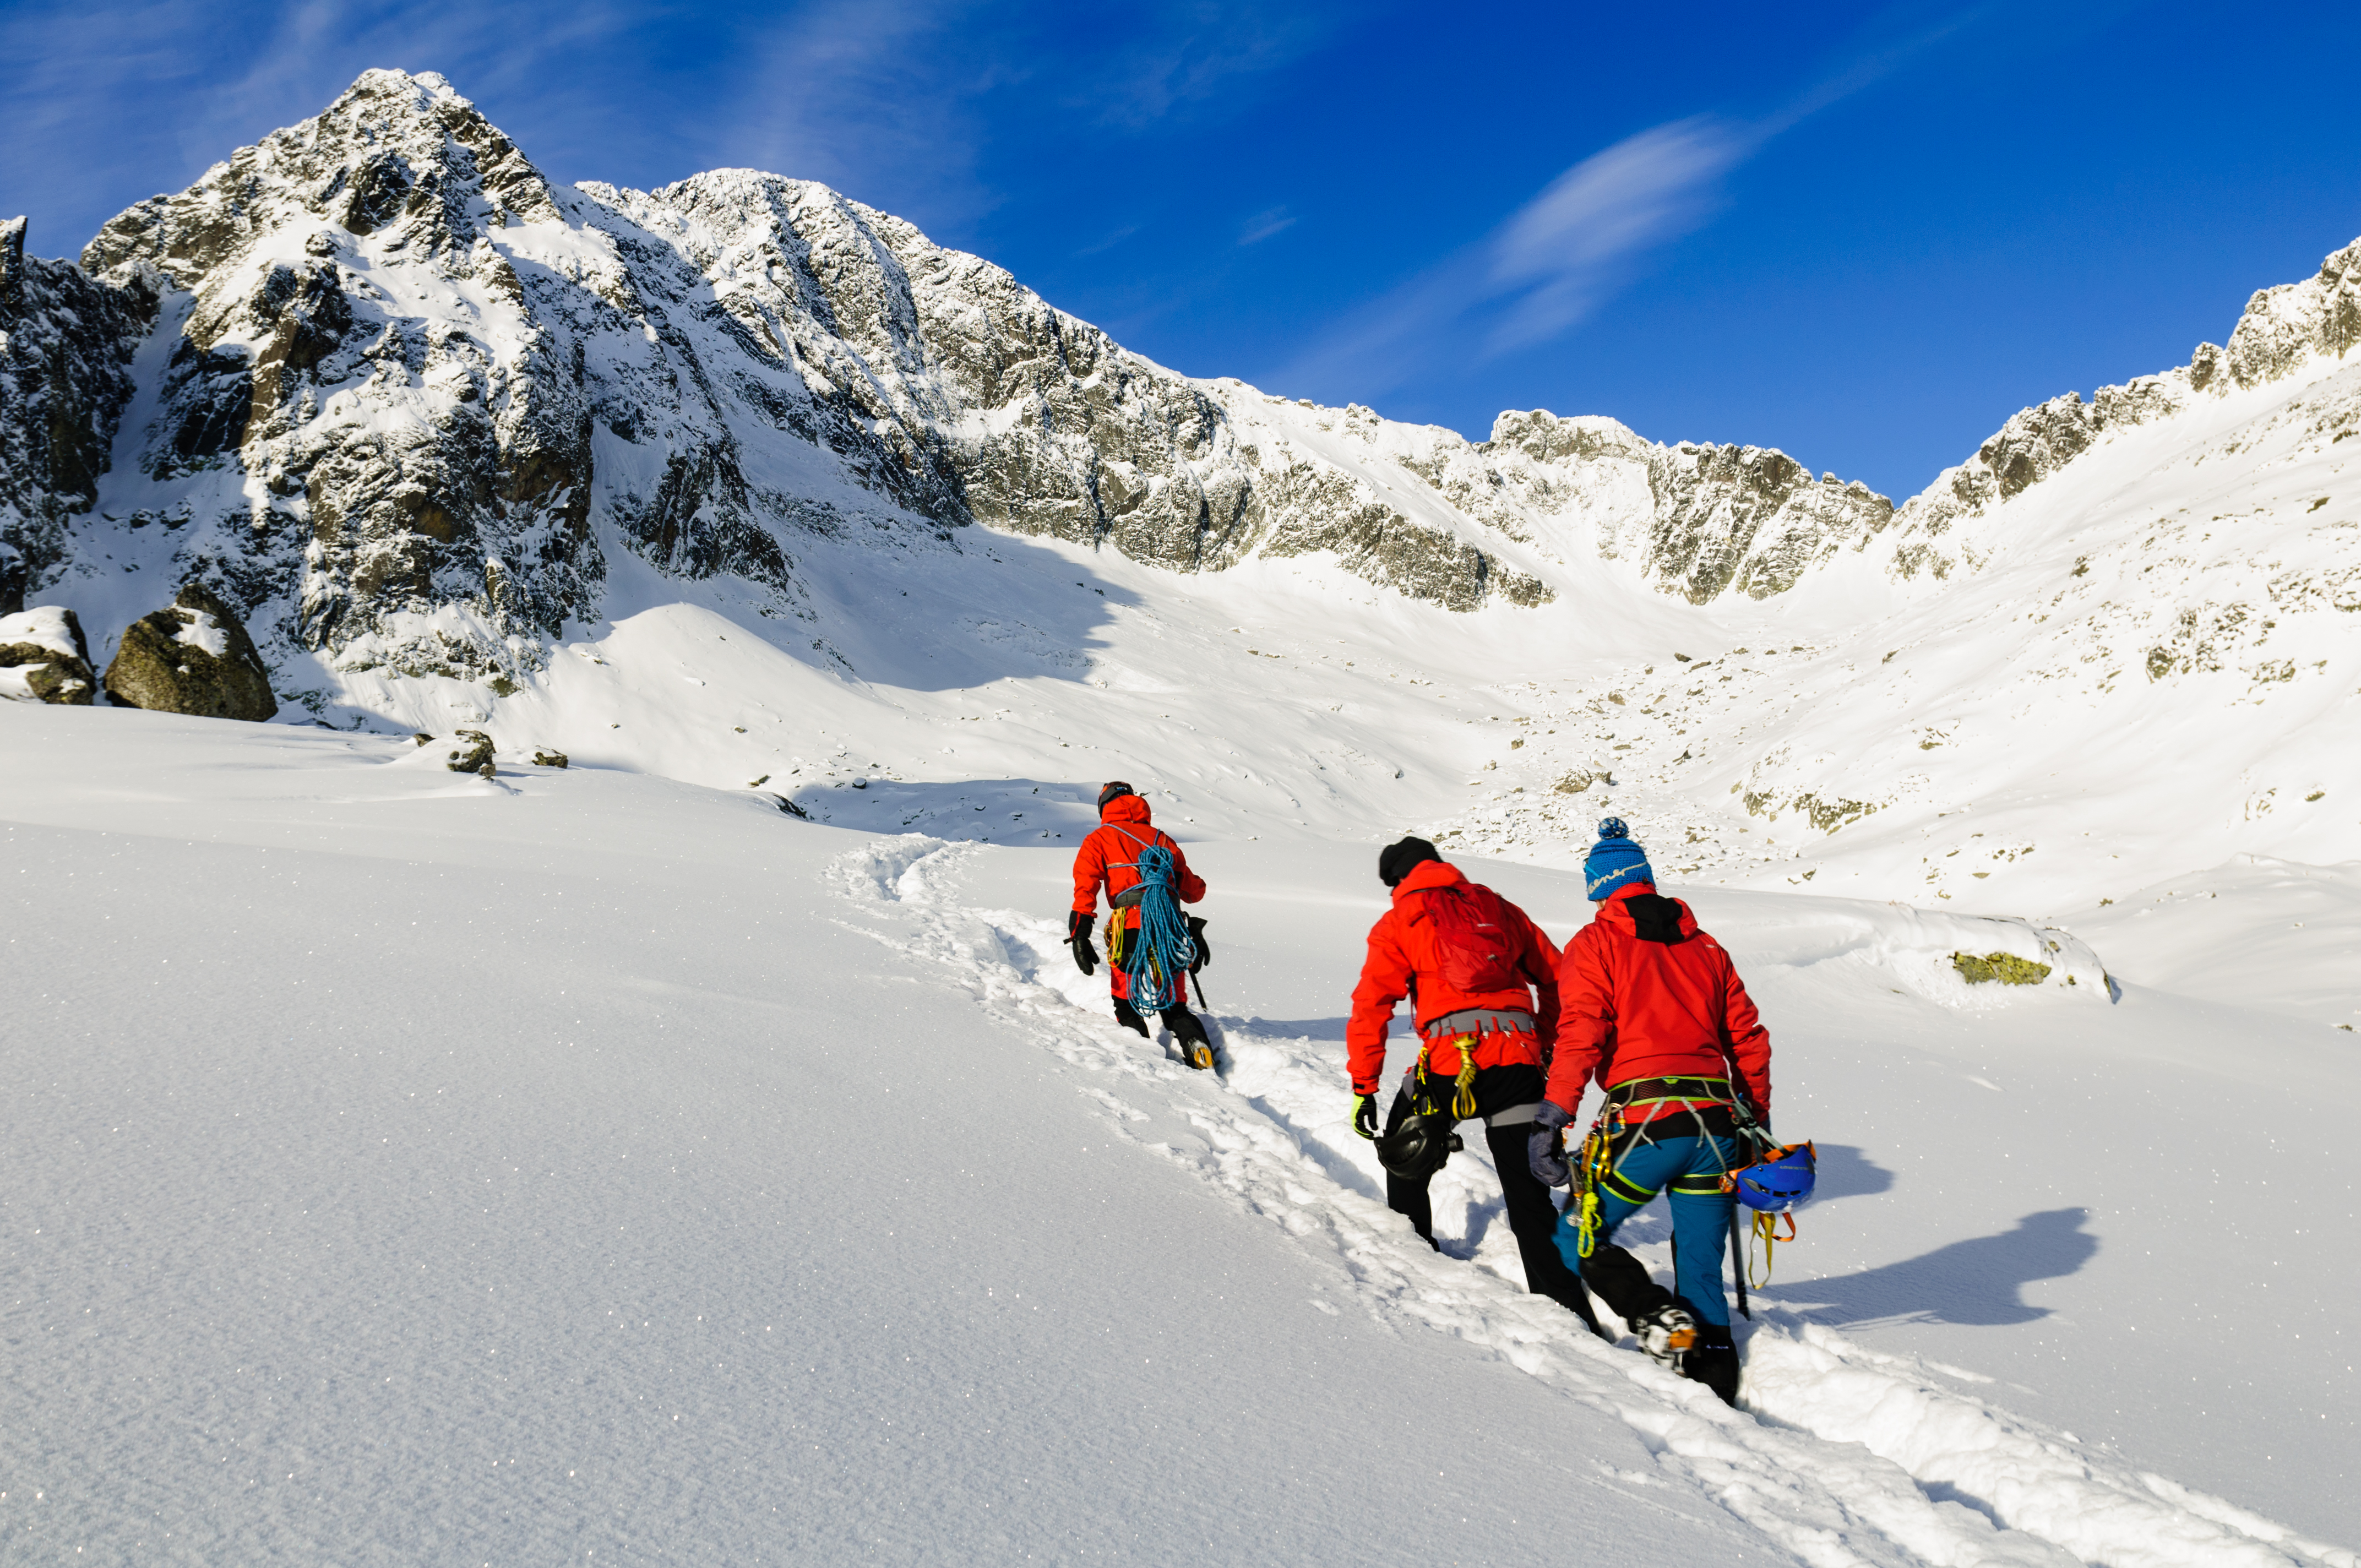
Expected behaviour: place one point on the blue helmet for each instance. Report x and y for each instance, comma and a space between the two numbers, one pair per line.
1779, 1182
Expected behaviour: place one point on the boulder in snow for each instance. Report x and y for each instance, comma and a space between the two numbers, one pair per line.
192, 656
471, 752
43, 658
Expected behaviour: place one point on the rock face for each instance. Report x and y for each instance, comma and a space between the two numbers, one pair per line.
66, 344
193, 656
44, 658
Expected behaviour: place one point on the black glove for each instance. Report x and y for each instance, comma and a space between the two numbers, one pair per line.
1078, 936
1197, 935
1365, 1115
1542, 1151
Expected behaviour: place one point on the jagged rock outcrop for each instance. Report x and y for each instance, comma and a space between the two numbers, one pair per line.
192, 656
45, 658
1749, 520
66, 344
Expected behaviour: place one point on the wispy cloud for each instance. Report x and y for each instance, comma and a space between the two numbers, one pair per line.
897, 102
1262, 225
1568, 249
1558, 256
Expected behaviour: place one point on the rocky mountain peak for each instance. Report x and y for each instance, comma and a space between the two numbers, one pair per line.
401, 158
401, 402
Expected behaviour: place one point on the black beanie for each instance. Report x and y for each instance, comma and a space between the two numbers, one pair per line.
1395, 861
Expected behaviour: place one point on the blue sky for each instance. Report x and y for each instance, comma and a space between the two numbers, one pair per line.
1866, 234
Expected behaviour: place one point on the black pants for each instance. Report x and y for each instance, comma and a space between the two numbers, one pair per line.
1186, 1026
1532, 1218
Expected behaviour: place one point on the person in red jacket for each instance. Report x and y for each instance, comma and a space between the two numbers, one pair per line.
1652, 1009
1481, 1002
1109, 858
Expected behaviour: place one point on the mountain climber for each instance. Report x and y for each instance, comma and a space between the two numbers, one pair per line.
1472, 964
1653, 1008
1143, 871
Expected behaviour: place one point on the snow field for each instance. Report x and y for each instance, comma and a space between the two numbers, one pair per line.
437, 931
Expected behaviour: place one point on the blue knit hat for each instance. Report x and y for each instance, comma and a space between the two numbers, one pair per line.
1614, 862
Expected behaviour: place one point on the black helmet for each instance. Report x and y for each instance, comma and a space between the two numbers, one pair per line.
1114, 791
1418, 1148
1396, 861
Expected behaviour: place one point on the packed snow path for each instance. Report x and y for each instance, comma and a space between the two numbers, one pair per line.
1843, 1456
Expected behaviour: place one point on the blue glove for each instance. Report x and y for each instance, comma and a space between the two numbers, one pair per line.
1542, 1151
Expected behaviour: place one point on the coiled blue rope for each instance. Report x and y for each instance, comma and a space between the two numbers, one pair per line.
1160, 953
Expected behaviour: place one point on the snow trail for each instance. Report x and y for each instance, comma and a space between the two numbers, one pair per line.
1843, 1456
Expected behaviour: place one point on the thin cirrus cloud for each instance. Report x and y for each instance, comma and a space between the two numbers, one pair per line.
1262, 225
1568, 248
1552, 263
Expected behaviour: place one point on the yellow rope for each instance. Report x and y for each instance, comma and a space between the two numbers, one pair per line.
1463, 1088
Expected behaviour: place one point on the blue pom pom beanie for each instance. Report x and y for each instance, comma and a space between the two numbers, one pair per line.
1615, 862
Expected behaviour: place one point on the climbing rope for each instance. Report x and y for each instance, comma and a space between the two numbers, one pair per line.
1158, 954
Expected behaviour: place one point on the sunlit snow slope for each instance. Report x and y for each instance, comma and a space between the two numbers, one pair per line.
407, 1166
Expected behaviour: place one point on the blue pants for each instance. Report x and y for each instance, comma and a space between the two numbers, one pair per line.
1692, 1167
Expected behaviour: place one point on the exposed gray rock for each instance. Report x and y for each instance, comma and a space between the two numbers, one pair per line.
66, 344
44, 650
193, 656
470, 752
1749, 520
544, 757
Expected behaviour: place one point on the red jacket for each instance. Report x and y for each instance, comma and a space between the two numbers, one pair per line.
1107, 856
1633, 1008
1402, 963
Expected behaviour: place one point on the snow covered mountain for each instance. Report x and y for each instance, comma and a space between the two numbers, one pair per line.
443, 430
403, 390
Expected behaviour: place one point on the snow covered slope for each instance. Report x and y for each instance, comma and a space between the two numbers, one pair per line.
406, 1165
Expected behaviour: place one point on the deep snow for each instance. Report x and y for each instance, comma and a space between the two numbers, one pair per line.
405, 1166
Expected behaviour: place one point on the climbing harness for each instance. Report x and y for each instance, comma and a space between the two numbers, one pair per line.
1613, 1135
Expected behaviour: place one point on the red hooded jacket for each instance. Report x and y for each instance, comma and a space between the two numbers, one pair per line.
1114, 846
1402, 963
1630, 1007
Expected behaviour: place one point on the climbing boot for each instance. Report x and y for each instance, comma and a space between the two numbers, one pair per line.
1128, 1016
1666, 1333
1188, 1033
1713, 1360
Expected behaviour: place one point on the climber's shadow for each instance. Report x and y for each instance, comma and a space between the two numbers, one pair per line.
1977, 1282
1840, 1170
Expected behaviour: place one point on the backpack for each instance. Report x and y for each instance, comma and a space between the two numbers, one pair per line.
1475, 939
